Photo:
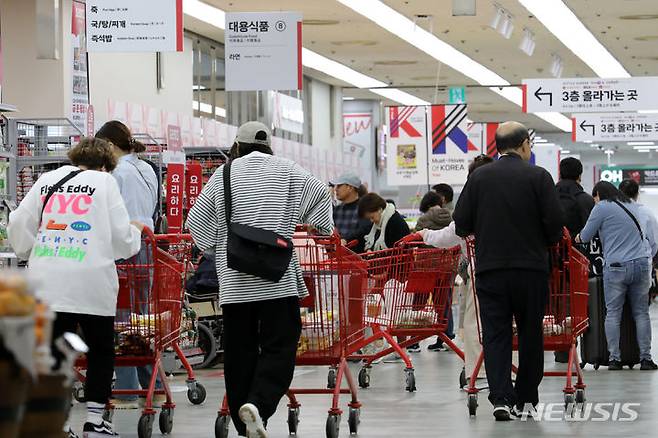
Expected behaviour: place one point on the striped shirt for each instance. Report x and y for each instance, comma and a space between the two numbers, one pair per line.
268, 192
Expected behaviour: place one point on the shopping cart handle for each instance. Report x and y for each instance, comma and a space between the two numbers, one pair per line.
413, 237
352, 244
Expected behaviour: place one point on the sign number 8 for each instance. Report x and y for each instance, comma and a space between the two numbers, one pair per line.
280, 26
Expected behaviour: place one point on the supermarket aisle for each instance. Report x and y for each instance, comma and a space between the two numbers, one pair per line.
438, 408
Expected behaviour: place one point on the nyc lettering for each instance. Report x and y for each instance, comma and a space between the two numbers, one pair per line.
78, 204
58, 239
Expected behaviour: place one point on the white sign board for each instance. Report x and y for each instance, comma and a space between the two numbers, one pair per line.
135, 26
287, 113
263, 51
406, 150
548, 157
357, 133
587, 95
615, 127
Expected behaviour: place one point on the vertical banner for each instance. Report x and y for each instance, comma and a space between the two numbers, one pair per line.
406, 149
174, 152
449, 147
193, 183
357, 133
175, 179
490, 140
91, 128
80, 82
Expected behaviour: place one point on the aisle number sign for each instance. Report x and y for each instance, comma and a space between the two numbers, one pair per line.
263, 51
587, 95
615, 127
135, 26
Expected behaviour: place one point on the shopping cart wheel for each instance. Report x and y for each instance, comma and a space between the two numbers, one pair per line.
221, 426
472, 404
569, 401
79, 392
166, 420
462, 379
145, 426
293, 420
354, 420
410, 379
208, 345
580, 396
333, 425
364, 378
331, 378
197, 394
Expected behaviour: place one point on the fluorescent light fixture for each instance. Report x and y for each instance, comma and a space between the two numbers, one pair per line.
556, 66
563, 23
406, 29
310, 59
199, 87
645, 147
527, 45
565, 152
207, 108
348, 98
609, 152
644, 150
540, 140
497, 18
648, 111
640, 143
507, 27
587, 141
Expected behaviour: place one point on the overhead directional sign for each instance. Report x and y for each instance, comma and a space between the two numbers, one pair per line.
587, 95
615, 127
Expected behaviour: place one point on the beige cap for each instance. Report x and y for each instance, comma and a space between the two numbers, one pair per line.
248, 131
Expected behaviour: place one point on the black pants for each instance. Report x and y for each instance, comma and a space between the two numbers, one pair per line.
520, 294
259, 354
98, 333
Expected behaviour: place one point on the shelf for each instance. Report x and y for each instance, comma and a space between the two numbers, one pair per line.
45, 159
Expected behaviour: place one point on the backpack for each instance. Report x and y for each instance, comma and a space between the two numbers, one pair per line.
572, 211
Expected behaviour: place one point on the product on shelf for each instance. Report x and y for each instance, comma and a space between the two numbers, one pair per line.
14, 297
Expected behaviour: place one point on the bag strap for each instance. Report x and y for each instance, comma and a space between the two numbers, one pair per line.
228, 208
637, 224
56, 187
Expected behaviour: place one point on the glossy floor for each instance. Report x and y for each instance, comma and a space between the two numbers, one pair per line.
437, 409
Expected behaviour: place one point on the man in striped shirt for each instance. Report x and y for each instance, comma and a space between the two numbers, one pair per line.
261, 318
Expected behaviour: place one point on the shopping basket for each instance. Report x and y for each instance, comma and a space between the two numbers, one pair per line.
148, 322
565, 318
332, 325
409, 294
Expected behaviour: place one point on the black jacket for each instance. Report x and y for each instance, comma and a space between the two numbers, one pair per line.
513, 209
576, 205
396, 229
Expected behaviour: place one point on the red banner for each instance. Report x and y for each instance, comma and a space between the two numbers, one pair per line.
193, 183
175, 181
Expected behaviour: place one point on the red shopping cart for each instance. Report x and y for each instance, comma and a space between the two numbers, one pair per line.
148, 322
408, 295
565, 318
332, 324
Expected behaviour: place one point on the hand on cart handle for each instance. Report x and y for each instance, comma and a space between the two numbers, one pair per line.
413, 237
140, 226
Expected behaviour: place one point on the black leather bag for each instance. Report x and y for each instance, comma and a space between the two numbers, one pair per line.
251, 250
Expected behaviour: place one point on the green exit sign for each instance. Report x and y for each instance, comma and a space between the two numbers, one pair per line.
456, 95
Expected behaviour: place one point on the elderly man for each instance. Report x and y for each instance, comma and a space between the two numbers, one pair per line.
346, 215
512, 208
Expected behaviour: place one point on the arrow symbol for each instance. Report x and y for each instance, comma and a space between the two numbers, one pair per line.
549, 94
583, 126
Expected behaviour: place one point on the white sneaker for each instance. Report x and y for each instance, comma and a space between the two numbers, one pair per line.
251, 418
103, 430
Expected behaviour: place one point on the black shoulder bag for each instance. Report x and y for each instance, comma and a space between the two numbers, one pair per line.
637, 224
254, 251
54, 188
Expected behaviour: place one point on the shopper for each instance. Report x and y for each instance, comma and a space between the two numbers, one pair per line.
448, 238
434, 216
628, 245
447, 193
261, 317
72, 242
576, 204
139, 189
631, 188
514, 212
346, 215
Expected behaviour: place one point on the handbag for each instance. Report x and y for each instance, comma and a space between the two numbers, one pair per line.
251, 250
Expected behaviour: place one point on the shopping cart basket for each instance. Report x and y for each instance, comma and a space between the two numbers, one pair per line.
332, 324
147, 323
565, 318
409, 294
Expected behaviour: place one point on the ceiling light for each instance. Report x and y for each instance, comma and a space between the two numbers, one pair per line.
556, 66
645, 147
497, 18
507, 26
566, 27
587, 141
565, 152
640, 143
540, 140
609, 152
527, 45
348, 98
648, 111
404, 28
643, 150
216, 17
207, 109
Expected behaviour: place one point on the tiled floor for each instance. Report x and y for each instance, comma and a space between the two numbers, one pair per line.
437, 409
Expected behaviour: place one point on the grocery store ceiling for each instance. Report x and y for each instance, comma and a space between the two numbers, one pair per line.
627, 28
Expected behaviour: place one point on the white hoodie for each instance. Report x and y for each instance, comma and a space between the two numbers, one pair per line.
85, 228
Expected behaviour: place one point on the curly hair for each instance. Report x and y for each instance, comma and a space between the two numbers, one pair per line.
93, 153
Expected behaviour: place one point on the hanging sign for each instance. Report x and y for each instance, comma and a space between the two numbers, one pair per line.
135, 26
449, 147
615, 127
80, 80
587, 95
406, 149
263, 51
456, 95
193, 183
174, 152
175, 180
